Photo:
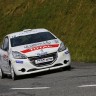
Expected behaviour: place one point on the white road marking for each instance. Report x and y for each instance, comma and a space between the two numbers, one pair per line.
34, 88
93, 85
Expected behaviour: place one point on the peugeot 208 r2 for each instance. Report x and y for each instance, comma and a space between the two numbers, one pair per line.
32, 51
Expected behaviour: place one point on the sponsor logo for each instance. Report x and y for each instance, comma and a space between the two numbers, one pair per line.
5, 57
18, 61
67, 52
56, 41
40, 47
37, 44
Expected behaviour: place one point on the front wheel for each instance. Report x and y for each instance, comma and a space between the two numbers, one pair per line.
2, 75
67, 68
13, 75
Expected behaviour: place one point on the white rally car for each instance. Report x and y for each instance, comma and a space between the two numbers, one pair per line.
32, 51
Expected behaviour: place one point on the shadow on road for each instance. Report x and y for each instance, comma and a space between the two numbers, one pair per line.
38, 75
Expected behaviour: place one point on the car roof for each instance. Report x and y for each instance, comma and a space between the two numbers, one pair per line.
27, 32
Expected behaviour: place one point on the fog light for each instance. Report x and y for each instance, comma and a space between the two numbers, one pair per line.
23, 70
65, 61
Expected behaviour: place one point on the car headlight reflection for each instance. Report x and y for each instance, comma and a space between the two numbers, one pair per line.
18, 55
62, 47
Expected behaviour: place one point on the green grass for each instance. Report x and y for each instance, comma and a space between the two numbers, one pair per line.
73, 21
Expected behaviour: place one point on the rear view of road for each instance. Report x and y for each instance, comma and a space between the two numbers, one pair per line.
80, 81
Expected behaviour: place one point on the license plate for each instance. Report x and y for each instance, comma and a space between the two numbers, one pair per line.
43, 60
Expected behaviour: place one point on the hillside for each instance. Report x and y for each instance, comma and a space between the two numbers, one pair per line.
73, 21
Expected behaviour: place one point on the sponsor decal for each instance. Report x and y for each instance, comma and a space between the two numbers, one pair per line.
56, 41
18, 61
37, 44
67, 52
40, 47
5, 57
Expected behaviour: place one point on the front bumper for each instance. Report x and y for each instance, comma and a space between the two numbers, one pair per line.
24, 66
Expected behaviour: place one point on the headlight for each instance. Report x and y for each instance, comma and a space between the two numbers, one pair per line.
62, 47
18, 55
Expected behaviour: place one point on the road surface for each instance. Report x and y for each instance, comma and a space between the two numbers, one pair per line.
80, 81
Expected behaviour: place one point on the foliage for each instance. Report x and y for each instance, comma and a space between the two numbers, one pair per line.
73, 21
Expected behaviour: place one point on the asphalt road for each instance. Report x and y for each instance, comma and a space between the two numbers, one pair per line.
80, 81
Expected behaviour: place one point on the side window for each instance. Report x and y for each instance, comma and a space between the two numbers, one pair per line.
5, 44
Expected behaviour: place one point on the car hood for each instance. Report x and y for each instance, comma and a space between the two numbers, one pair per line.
37, 49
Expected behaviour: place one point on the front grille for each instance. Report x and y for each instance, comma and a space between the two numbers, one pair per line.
32, 59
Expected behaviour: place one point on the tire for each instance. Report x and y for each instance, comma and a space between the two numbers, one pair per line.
67, 68
13, 75
2, 74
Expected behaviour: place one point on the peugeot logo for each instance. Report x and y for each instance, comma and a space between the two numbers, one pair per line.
41, 53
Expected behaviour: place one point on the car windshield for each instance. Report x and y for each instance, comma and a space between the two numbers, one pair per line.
32, 38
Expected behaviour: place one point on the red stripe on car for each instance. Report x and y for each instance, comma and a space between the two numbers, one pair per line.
40, 47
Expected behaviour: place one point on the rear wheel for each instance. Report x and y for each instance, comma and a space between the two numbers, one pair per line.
13, 75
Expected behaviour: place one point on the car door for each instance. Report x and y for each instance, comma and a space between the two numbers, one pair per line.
4, 55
